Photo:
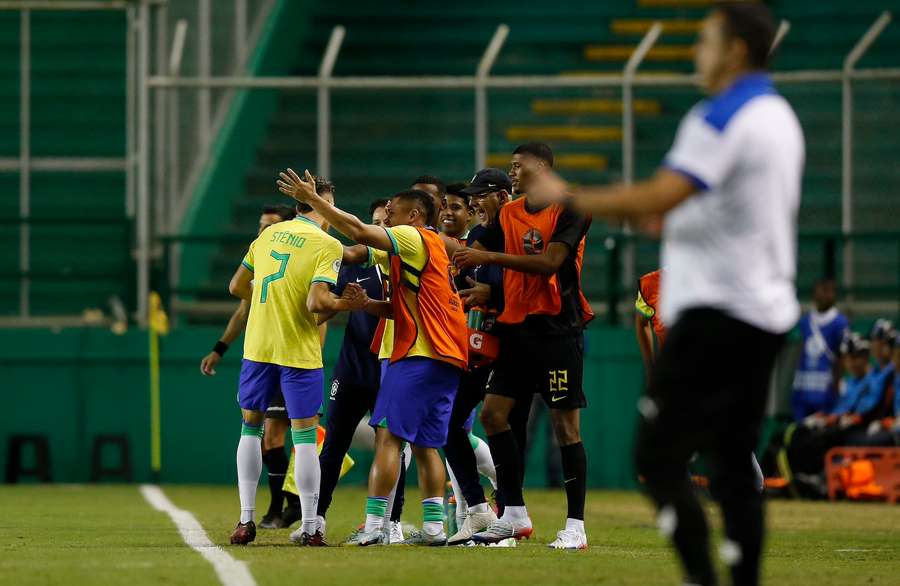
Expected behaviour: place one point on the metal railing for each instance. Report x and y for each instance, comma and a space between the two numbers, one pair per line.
481, 82
147, 23
160, 182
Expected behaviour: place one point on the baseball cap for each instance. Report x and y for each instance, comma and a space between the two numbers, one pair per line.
882, 330
488, 180
854, 344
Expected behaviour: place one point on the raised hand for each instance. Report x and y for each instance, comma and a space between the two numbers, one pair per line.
293, 186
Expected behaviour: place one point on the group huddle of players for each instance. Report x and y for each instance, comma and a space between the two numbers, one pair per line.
411, 356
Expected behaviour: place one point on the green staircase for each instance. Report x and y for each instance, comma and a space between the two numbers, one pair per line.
382, 139
80, 236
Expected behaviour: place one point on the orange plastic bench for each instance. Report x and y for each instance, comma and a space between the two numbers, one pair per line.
879, 480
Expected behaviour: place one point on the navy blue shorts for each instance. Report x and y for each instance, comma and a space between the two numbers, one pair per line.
416, 399
260, 383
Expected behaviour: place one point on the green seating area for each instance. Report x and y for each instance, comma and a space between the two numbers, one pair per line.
382, 139
81, 239
80, 236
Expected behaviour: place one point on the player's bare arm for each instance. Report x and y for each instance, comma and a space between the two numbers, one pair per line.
304, 190
320, 300
643, 330
235, 326
547, 263
240, 285
653, 197
355, 255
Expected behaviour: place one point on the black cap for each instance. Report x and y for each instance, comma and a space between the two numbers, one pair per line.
488, 180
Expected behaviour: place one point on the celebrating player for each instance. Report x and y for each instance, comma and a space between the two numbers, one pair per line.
295, 263
541, 328
429, 349
276, 423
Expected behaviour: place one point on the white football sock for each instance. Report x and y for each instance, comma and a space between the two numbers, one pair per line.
483, 460
249, 467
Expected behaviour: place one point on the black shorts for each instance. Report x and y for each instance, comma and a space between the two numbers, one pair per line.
276, 409
550, 365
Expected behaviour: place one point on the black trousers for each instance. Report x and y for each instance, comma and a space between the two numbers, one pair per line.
347, 404
708, 394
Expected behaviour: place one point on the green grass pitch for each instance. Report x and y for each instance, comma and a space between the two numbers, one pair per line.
110, 535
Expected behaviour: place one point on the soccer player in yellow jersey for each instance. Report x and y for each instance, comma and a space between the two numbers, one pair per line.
293, 266
429, 350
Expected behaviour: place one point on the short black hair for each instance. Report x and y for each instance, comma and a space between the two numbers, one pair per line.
456, 189
751, 22
420, 198
282, 211
322, 185
536, 149
431, 180
378, 203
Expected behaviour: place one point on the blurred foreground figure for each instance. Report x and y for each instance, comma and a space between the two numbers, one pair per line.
729, 191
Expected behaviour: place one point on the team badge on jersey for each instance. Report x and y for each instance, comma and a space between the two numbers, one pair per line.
534, 241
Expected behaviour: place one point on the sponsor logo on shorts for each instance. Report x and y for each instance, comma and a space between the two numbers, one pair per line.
334, 388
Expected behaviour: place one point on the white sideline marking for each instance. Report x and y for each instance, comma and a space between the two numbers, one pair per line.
230, 571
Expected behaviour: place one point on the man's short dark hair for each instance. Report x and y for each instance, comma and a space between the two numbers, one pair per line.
282, 211
322, 185
536, 149
456, 189
752, 23
431, 180
378, 203
419, 198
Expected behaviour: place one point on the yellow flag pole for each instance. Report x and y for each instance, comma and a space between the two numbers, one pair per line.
158, 324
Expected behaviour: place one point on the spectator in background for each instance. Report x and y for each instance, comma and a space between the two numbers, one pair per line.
818, 373
858, 405
882, 336
884, 428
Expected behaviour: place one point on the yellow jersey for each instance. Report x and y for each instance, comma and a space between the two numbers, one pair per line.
286, 259
407, 244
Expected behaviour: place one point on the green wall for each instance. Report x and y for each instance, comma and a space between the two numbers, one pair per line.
74, 384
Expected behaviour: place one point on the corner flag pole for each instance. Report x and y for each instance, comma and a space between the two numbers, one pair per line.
158, 325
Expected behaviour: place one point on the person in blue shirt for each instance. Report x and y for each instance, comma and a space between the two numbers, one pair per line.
822, 329
885, 431
858, 404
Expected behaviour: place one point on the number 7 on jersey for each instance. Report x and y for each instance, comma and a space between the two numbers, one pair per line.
284, 258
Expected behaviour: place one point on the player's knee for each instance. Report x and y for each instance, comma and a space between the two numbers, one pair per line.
566, 426
253, 418
493, 421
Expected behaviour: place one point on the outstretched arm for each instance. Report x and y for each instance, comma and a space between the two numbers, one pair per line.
547, 263
653, 197
304, 191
